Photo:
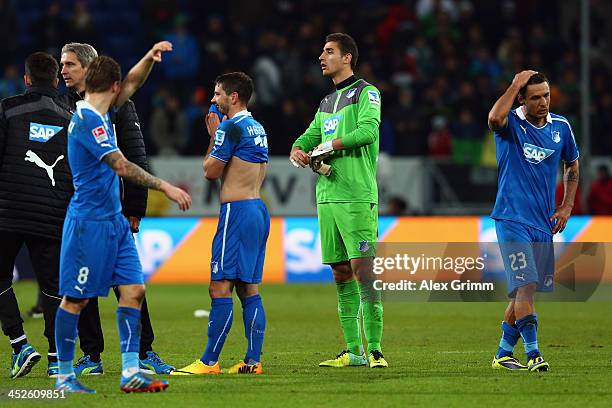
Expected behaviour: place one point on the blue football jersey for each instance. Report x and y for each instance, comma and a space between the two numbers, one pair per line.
243, 137
528, 158
96, 186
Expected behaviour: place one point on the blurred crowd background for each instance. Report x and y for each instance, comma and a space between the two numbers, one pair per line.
440, 64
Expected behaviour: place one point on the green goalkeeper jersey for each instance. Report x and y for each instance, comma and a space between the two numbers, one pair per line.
351, 113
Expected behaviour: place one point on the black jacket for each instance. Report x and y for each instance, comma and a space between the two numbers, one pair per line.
35, 178
131, 144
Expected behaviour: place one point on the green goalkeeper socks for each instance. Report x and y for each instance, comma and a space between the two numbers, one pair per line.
348, 311
372, 316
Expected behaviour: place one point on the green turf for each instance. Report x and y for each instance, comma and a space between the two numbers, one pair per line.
439, 355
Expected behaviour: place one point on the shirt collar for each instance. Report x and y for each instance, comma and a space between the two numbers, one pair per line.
77, 96
521, 114
242, 113
348, 81
44, 90
84, 104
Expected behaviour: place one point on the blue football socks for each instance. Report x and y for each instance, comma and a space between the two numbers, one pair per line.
66, 324
528, 326
254, 327
128, 322
510, 336
219, 325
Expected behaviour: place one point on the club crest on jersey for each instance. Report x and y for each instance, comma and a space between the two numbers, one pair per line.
556, 136
363, 246
536, 154
330, 125
548, 281
351, 93
100, 134
219, 137
43, 133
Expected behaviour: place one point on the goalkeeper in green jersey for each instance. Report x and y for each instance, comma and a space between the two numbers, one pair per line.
341, 145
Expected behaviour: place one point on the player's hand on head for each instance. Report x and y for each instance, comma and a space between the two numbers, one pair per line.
158, 48
560, 217
299, 158
212, 123
522, 77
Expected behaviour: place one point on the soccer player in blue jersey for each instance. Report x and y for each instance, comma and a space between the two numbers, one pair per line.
98, 250
238, 154
530, 143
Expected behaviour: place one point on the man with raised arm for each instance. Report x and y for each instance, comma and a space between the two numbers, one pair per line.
98, 251
75, 60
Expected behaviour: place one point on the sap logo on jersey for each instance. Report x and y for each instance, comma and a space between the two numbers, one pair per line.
535, 154
43, 133
330, 124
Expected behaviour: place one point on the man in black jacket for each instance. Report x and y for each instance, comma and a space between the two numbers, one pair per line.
35, 188
74, 60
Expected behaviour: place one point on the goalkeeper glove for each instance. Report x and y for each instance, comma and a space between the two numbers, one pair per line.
322, 149
319, 167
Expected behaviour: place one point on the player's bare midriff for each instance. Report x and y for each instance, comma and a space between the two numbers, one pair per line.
242, 180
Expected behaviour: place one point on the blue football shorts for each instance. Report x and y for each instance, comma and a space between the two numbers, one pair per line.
528, 256
239, 245
96, 255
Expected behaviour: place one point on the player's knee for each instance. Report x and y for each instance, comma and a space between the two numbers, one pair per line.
73, 305
343, 277
131, 295
137, 293
526, 293
342, 272
246, 290
218, 290
363, 269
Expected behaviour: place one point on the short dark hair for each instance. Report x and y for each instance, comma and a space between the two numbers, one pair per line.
102, 73
536, 78
346, 44
238, 82
41, 68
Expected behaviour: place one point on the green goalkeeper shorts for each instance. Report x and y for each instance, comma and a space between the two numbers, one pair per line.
348, 230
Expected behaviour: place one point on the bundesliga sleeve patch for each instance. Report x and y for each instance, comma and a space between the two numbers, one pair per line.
100, 134
219, 137
374, 97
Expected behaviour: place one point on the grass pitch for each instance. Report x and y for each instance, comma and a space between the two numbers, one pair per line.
439, 355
